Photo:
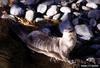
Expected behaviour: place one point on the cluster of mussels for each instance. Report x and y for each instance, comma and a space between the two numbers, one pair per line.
84, 15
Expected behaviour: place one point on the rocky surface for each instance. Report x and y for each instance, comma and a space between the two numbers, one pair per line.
84, 15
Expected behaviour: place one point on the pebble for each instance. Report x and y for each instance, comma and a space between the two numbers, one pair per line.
52, 11
65, 10
16, 10
39, 19
98, 26
92, 22
29, 15
83, 31
85, 8
57, 16
92, 5
42, 8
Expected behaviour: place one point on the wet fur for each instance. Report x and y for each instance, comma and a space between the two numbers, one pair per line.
51, 46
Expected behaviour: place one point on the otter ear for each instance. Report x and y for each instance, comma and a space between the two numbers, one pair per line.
65, 25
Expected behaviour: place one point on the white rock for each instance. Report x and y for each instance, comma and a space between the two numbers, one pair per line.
52, 10
16, 10
65, 10
29, 15
38, 19
83, 31
42, 8
79, 1
85, 8
56, 17
98, 26
91, 5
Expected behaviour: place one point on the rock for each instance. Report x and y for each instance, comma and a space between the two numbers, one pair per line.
56, 17
98, 26
52, 11
17, 10
29, 2
29, 15
94, 14
42, 8
65, 10
75, 21
92, 22
92, 5
94, 1
38, 19
3, 3
76, 13
74, 6
85, 8
83, 31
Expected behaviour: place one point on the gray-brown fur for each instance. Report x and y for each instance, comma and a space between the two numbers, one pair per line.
51, 46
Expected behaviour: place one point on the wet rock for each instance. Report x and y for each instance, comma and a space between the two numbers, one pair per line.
42, 8
29, 15
92, 5
83, 31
